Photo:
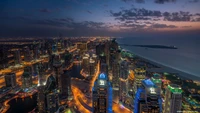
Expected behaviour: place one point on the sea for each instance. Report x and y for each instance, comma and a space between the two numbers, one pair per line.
184, 60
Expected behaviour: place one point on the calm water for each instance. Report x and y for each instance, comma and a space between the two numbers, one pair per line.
186, 58
23, 106
28, 104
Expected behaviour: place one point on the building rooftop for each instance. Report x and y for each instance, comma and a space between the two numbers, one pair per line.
148, 83
175, 88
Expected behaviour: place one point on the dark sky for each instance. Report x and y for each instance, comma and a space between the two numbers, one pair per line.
98, 17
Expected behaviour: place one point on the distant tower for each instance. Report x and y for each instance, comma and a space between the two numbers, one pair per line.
17, 57
35, 50
102, 95
146, 98
66, 85
91, 67
156, 79
115, 73
107, 53
85, 64
140, 74
123, 82
58, 70
68, 59
41, 99
59, 46
10, 80
173, 99
27, 77
104, 68
27, 54
51, 95
41, 74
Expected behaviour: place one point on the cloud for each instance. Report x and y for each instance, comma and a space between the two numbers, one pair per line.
162, 26
135, 14
193, 1
163, 1
136, 1
154, 15
89, 12
45, 10
177, 16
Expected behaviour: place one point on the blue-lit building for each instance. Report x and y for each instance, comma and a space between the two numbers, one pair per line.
102, 95
146, 98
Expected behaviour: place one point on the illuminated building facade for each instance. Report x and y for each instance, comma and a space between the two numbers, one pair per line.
27, 54
41, 99
27, 77
104, 68
66, 91
102, 95
156, 79
10, 80
173, 99
123, 80
107, 52
51, 95
140, 75
115, 74
59, 46
58, 70
85, 63
41, 74
17, 57
91, 67
146, 98
35, 50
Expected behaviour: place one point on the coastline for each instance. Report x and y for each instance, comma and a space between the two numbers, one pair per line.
163, 68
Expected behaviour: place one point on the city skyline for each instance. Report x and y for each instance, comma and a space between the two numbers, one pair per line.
99, 18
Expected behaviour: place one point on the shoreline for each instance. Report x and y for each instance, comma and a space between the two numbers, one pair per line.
163, 68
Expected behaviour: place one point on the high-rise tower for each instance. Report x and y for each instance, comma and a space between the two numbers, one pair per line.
10, 80
102, 95
123, 80
58, 70
51, 95
173, 99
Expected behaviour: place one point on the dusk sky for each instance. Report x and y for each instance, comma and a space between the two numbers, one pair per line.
98, 17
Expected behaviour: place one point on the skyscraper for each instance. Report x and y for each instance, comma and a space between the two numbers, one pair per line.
85, 64
173, 99
104, 68
102, 95
17, 57
41, 99
107, 52
10, 80
156, 79
58, 70
27, 54
35, 50
146, 98
51, 95
91, 67
123, 80
66, 91
41, 74
140, 75
27, 77
59, 46
115, 74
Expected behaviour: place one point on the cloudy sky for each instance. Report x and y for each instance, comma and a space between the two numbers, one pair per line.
99, 17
